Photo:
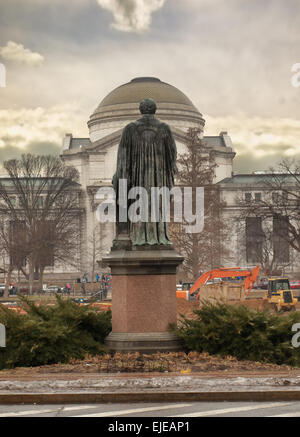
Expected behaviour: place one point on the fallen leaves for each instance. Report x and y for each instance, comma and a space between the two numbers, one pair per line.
180, 362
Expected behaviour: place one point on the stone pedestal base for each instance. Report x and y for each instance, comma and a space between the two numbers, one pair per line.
143, 299
144, 342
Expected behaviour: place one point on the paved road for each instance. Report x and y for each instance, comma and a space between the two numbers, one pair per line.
188, 409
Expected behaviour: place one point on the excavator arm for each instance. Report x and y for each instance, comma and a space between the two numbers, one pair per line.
251, 276
251, 279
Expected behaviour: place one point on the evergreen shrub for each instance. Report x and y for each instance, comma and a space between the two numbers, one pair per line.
241, 332
52, 334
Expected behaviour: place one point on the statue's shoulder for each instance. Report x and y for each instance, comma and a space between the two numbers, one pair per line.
143, 123
130, 126
164, 127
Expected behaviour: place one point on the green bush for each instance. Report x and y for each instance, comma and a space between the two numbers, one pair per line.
241, 332
52, 334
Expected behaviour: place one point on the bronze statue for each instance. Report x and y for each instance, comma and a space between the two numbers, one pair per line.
146, 158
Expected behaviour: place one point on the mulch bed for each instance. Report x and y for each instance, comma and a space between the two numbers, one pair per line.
177, 362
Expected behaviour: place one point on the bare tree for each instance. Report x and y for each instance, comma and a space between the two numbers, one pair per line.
14, 245
38, 212
94, 252
204, 250
283, 200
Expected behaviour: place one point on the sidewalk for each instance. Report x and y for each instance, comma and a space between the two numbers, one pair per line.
92, 388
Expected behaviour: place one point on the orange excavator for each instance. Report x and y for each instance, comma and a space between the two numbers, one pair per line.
234, 272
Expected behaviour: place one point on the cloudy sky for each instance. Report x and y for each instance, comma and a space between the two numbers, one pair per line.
232, 58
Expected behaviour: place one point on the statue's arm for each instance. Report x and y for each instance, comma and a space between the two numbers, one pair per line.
171, 149
124, 155
123, 172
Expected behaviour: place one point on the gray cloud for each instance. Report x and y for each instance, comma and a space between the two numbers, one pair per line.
249, 163
131, 15
38, 130
15, 52
43, 148
232, 59
226, 56
12, 152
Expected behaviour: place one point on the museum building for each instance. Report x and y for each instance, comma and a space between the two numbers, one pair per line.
95, 159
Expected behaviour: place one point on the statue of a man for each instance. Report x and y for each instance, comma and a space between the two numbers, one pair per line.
146, 158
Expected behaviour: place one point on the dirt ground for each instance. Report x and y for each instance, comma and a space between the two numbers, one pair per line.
164, 364
186, 308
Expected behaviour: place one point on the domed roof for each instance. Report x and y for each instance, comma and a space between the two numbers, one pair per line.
145, 87
121, 106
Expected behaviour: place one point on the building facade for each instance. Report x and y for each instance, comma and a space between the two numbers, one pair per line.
258, 234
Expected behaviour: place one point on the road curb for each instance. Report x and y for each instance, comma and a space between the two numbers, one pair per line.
93, 398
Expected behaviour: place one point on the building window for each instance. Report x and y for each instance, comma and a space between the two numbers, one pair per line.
17, 243
275, 196
254, 240
248, 197
285, 197
280, 197
40, 202
46, 236
257, 197
13, 200
281, 246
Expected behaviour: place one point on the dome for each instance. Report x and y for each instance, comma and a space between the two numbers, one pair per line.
121, 106
146, 87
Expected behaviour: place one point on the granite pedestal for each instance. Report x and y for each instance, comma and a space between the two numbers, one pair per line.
143, 299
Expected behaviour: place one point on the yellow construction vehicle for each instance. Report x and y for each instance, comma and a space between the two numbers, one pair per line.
280, 295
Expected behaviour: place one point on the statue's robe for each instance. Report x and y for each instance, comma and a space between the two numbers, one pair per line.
147, 158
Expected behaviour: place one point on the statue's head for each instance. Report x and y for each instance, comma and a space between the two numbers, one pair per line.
148, 106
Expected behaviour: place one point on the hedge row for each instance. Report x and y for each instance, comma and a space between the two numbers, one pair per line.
52, 334
241, 332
